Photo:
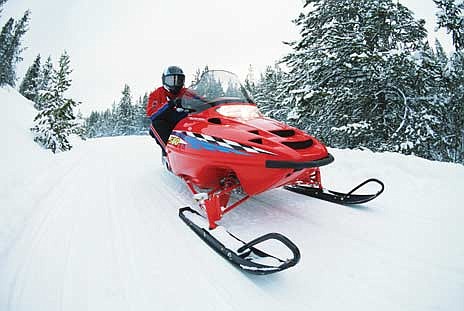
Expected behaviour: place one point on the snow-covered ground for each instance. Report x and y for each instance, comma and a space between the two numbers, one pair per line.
97, 228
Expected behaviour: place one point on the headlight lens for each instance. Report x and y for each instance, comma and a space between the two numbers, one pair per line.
242, 112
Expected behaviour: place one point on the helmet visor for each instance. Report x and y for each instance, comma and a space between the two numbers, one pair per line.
174, 80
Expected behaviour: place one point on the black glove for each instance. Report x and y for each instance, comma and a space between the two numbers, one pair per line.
177, 103
171, 104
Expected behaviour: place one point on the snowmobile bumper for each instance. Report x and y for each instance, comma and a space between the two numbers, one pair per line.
300, 165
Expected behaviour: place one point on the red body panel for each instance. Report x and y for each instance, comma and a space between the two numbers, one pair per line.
206, 148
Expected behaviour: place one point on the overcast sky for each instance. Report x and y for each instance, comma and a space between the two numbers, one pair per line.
113, 42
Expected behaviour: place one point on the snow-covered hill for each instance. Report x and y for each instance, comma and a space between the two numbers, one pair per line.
21, 155
96, 228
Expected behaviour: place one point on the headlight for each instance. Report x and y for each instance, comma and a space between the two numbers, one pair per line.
242, 112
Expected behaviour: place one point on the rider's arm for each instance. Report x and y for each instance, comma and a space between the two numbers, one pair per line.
157, 104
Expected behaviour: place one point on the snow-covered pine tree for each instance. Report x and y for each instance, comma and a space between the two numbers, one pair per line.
5, 39
97, 124
111, 122
56, 122
29, 87
451, 17
454, 110
198, 74
209, 87
91, 125
109, 119
44, 82
269, 93
422, 127
125, 115
352, 71
10, 48
250, 80
46, 74
2, 2
451, 95
141, 120
4, 29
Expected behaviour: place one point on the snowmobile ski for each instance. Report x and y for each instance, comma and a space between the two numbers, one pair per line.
338, 197
245, 256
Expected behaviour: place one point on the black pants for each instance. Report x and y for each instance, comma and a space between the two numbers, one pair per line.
163, 125
163, 130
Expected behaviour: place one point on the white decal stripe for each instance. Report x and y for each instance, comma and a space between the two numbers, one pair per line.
227, 143
208, 137
250, 150
264, 151
220, 143
233, 143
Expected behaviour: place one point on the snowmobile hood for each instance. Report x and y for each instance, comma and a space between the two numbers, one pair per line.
271, 138
267, 124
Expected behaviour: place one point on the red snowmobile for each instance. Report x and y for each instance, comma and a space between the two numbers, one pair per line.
226, 151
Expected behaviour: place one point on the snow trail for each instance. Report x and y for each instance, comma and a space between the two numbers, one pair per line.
103, 233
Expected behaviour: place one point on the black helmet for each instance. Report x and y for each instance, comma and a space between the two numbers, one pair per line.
173, 79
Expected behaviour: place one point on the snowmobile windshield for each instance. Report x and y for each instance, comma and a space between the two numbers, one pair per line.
214, 88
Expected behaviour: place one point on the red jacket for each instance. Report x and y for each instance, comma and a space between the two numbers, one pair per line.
160, 97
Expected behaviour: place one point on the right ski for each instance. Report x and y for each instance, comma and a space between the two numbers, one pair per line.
338, 197
244, 256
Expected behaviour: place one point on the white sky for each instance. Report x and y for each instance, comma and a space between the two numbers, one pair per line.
113, 42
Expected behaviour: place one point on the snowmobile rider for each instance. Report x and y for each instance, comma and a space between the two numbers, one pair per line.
164, 108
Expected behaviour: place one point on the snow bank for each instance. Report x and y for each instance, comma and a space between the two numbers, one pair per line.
21, 156
21, 161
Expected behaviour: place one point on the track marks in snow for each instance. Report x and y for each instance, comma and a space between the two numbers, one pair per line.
50, 208
106, 236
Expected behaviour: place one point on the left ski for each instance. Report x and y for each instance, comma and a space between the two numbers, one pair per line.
338, 197
244, 256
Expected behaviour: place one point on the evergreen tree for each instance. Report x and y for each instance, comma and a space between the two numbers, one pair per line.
2, 2
142, 121
56, 121
112, 121
198, 74
108, 127
233, 90
125, 114
91, 125
209, 86
5, 39
45, 77
454, 112
451, 17
29, 87
46, 74
10, 48
250, 80
353, 72
269, 94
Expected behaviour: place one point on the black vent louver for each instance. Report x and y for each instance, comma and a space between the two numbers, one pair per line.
256, 141
284, 133
298, 144
214, 120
